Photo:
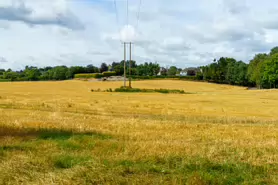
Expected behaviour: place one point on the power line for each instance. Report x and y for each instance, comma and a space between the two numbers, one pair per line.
138, 14
117, 16
127, 10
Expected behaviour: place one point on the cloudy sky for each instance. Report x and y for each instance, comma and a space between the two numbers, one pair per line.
180, 32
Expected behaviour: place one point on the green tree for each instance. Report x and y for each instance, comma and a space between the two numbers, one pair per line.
254, 72
154, 69
163, 71
90, 69
32, 73
147, 69
274, 51
103, 67
172, 71
270, 74
11, 75
231, 72
240, 74
58, 73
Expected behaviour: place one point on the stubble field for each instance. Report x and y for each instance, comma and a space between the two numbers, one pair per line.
62, 133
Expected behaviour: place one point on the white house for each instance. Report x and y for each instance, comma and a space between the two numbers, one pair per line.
183, 73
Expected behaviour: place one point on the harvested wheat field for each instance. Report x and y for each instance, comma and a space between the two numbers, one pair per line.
62, 133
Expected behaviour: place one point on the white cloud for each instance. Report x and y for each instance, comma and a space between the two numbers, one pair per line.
39, 13
192, 32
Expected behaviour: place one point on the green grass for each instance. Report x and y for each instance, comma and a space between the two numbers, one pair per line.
185, 169
89, 156
69, 161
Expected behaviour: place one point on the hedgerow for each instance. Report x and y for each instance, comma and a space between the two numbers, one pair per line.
109, 73
88, 75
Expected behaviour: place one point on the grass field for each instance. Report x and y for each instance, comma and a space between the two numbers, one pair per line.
62, 133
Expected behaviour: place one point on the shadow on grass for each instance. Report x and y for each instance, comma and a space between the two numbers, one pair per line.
47, 134
69, 161
30, 138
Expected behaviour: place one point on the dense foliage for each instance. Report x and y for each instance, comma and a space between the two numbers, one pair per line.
226, 71
262, 71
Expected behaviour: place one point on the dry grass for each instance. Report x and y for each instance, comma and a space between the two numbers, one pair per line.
62, 133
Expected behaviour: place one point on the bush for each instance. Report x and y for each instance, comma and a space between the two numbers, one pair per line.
108, 74
174, 91
127, 89
165, 91
88, 75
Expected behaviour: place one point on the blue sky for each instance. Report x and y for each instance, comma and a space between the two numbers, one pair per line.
180, 32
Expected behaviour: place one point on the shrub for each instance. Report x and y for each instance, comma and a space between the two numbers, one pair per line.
109, 90
124, 89
108, 74
96, 90
174, 91
88, 75
165, 91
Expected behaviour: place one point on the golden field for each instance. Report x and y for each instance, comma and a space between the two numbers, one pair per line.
62, 133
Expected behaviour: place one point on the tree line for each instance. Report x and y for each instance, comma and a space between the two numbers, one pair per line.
262, 71
32, 73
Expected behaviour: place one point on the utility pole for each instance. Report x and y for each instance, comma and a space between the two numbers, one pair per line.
130, 65
125, 60
124, 64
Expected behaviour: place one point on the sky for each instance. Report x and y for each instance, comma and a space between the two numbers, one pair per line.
184, 33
